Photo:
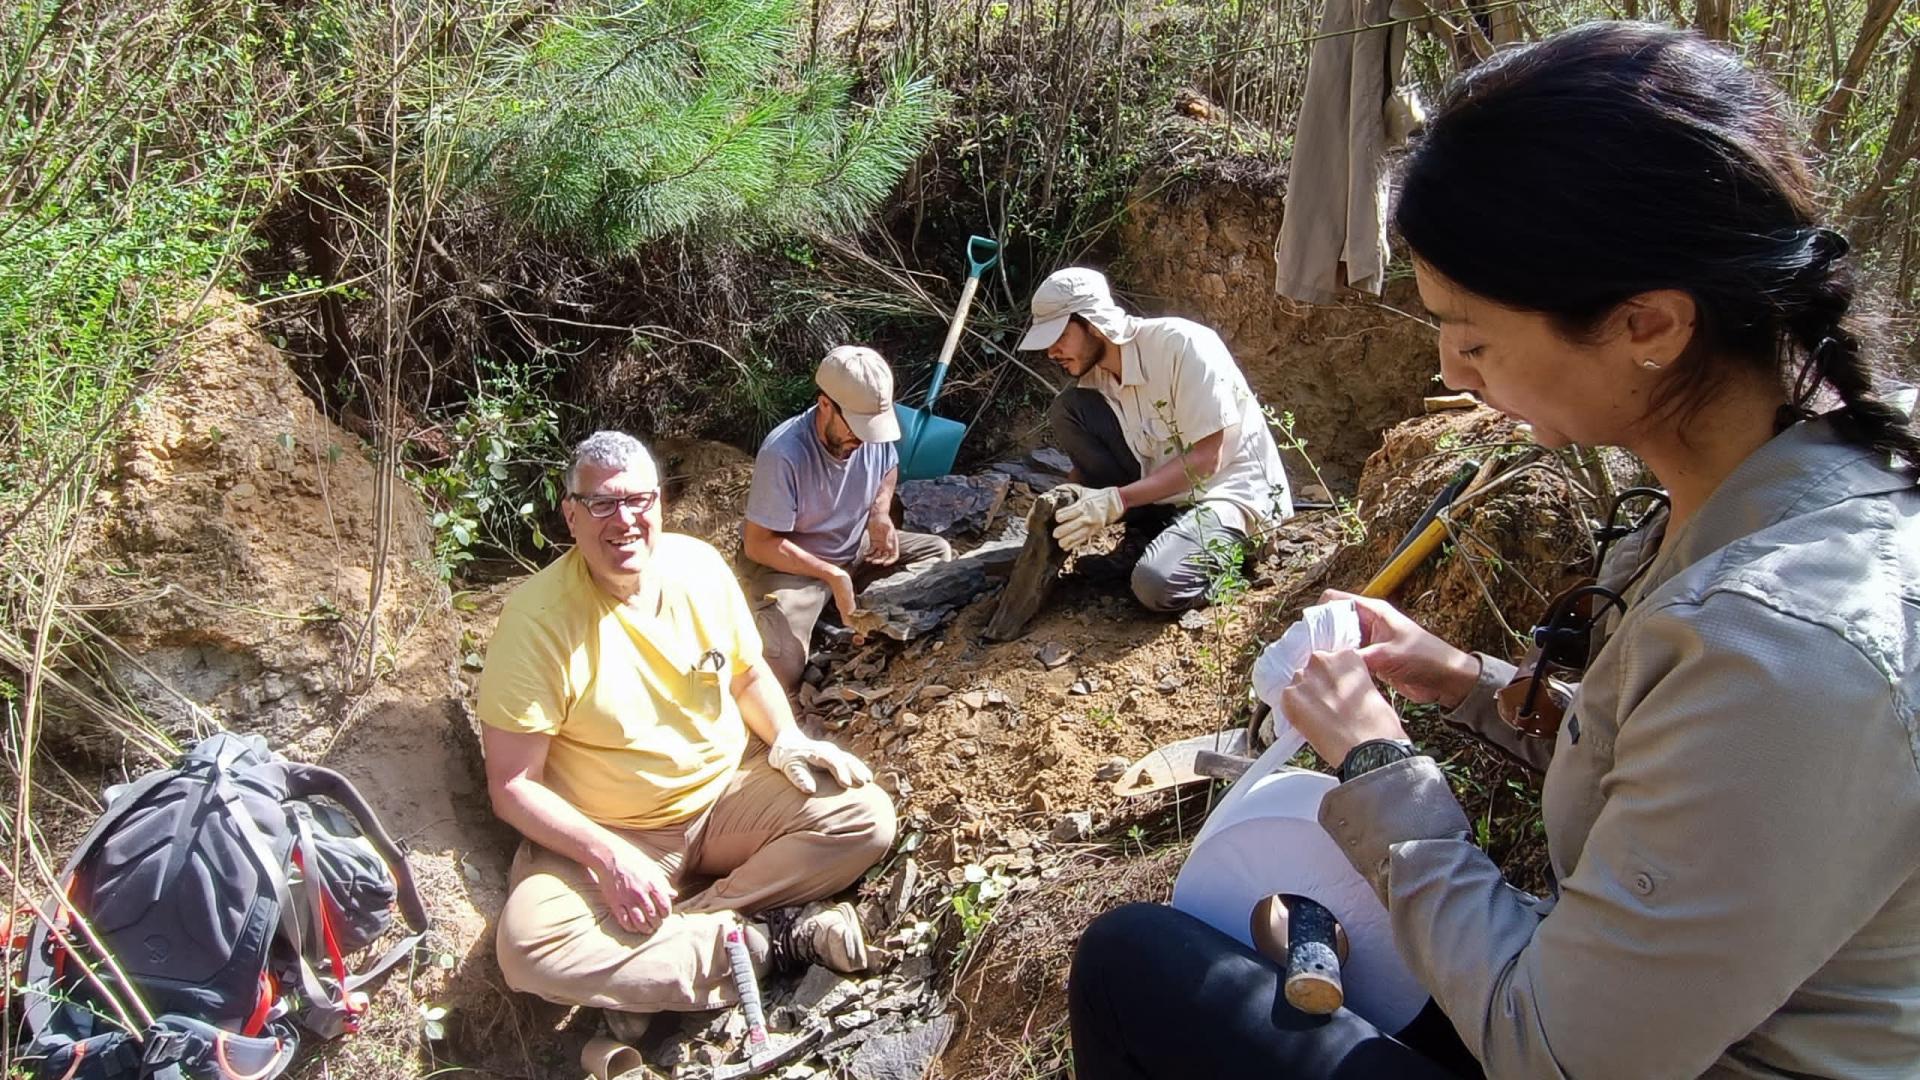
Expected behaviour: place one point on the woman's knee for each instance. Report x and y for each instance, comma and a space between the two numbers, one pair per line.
1114, 944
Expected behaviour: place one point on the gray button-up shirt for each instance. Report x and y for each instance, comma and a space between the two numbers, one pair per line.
1732, 806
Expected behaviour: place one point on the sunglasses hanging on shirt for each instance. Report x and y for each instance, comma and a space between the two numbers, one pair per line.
1534, 702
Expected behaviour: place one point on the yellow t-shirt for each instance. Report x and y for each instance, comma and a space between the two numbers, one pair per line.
645, 731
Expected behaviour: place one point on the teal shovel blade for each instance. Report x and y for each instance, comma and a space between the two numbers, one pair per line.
928, 443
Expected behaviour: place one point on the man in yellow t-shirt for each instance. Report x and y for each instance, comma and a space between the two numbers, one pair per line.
620, 691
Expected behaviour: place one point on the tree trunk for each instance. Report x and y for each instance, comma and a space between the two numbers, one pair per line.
1866, 212
1873, 26
1713, 18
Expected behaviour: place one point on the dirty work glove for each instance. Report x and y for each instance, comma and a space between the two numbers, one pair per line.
1080, 521
797, 756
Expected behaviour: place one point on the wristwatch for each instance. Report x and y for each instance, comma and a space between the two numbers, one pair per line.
1374, 754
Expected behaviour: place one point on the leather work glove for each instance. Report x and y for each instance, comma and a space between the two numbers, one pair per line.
797, 756
1080, 521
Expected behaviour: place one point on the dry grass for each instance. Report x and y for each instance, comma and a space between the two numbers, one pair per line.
1012, 992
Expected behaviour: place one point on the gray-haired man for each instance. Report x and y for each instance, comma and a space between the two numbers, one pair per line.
1161, 426
622, 693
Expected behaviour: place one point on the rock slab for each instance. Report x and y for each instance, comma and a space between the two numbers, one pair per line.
1042, 471
949, 505
907, 605
902, 1055
1038, 565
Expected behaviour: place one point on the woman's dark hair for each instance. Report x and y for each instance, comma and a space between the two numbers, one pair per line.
1618, 158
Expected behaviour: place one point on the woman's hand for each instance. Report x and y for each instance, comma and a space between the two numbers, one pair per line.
1334, 703
1417, 663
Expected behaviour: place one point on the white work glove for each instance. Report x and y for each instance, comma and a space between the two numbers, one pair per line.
797, 756
1080, 521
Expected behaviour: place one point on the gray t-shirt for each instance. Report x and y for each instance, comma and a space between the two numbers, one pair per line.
817, 500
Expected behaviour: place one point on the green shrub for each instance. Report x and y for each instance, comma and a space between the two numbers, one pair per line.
502, 479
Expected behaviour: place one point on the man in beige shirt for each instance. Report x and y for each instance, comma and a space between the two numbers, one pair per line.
1164, 434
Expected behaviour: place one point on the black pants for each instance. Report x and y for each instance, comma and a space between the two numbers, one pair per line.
1156, 993
1088, 431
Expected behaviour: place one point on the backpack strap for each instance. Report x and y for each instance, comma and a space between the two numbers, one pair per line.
322, 1014
317, 899
290, 928
304, 781
399, 951
310, 780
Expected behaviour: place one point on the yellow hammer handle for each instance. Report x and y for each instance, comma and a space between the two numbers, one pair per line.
1394, 574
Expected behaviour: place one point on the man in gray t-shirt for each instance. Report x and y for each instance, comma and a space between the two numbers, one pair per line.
819, 517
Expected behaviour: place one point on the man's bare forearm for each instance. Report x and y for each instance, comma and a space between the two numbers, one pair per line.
545, 818
883, 499
1183, 474
763, 705
773, 550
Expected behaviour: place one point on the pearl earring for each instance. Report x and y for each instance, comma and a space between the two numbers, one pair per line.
1650, 365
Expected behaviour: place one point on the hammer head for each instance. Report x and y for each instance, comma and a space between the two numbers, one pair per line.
778, 1050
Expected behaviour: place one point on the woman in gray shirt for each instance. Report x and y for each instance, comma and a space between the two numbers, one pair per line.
1619, 238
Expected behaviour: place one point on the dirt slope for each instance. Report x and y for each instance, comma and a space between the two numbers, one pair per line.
238, 547
1203, 249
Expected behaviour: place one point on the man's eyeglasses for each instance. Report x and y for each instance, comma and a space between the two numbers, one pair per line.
605, 506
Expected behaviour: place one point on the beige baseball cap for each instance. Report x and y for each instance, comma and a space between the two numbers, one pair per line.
860, 382
1075, 291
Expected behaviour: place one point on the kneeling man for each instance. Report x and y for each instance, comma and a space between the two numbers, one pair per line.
820, 515
1163, 433
619, 694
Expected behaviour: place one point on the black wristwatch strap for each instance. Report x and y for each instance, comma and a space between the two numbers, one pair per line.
1374, 754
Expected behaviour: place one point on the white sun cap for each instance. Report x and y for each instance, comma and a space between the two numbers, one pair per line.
1075, 291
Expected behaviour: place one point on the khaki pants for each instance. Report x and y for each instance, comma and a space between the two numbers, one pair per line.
769, 846
786, 606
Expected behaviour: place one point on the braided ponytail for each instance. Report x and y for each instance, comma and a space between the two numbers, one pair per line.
1816, 306
1630, 157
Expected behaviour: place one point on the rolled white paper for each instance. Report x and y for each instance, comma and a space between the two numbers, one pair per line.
1264, 839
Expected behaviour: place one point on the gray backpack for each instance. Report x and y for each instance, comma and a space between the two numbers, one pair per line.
218, 902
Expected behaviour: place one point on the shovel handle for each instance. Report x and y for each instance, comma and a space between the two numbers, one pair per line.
948, 347
982, 252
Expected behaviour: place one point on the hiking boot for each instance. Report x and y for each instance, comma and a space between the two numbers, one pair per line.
824, 934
